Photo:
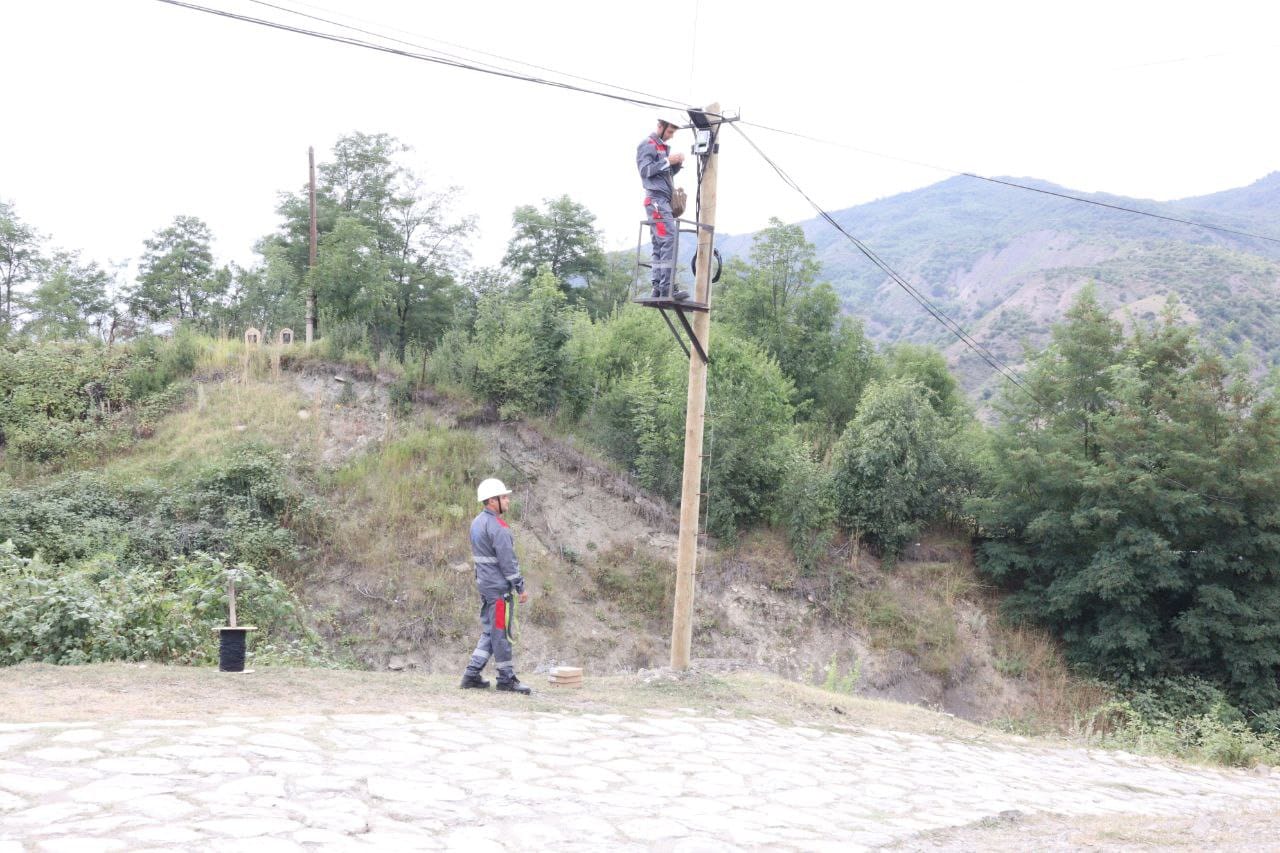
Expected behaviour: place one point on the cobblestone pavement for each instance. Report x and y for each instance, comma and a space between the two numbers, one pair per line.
665, 781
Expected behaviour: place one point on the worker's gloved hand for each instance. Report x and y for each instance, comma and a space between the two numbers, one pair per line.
675, 159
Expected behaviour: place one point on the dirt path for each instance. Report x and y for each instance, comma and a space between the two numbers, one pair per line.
480, 771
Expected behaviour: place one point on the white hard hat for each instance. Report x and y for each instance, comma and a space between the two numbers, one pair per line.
491, 488
669, 118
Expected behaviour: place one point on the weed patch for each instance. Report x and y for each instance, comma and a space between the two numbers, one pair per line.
637, 581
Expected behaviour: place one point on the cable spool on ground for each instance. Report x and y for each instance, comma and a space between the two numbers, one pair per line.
232, 648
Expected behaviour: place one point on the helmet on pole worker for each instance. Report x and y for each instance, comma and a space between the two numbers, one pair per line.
498, 580
491, 488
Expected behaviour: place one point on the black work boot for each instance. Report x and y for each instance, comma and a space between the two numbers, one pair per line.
513, 685
469, 681
680, 295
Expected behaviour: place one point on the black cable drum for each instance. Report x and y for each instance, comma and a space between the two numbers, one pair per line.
231, 649
693, 265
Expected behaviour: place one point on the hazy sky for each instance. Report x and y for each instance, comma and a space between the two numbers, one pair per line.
120, 114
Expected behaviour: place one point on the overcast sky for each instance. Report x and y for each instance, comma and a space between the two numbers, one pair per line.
119, 115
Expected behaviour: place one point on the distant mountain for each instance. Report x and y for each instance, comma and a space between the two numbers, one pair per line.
1005, 263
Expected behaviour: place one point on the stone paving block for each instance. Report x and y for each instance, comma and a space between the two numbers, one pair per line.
289, 769
254, 845
100, 826
162, 807
284, 741
648, 829
77, 736
322, 782
476, 840
119, 788
123, 744
64, 754
247, 827
215, 764
323, 838
48, 814
139, 765
86, 844
392, 788
22, 783
166, 834
257, 785
11, 802
701, 845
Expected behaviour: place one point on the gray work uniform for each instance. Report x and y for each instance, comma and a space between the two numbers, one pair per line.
497, 573
657, 178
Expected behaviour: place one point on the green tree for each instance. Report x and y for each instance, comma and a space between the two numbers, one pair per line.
265, 296
562, 236
605, 293
775, 302
517, 348
176, 276
1136, 508
926, 365
20, 259
71, 298
840, 384
626, 384
890, 465
425, 249
783, 265
388, 246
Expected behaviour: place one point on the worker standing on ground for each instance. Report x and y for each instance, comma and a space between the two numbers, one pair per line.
658, 168
499, 581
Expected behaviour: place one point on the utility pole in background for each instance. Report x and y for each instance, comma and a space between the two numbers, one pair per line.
695, 414
311, 258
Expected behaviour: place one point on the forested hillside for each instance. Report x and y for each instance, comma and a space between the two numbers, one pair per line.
1122, 498
1006, 263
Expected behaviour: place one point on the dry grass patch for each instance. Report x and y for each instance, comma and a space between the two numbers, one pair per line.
220, 416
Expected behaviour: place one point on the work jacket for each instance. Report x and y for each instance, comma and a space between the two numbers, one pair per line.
656, 172
494, 552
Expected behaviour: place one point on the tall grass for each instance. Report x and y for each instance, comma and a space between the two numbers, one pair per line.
401, 512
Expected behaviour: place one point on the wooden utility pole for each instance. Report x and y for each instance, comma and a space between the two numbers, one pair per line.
690, 490
311, 258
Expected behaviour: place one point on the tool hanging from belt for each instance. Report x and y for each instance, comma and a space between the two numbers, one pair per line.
505, 615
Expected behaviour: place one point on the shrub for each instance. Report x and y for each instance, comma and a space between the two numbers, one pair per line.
94, 610
61, 402
890, 466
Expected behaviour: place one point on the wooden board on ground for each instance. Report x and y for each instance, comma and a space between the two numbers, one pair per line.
566, 676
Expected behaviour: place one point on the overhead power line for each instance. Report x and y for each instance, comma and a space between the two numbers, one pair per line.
646, 99
450, 44
438, 59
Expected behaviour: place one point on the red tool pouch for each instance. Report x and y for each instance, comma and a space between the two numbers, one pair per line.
500, 614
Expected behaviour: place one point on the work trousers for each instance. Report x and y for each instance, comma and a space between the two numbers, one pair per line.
663, 233
494, 643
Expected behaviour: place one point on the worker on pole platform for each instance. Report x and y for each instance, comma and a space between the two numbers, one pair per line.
499, 581
658, 168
